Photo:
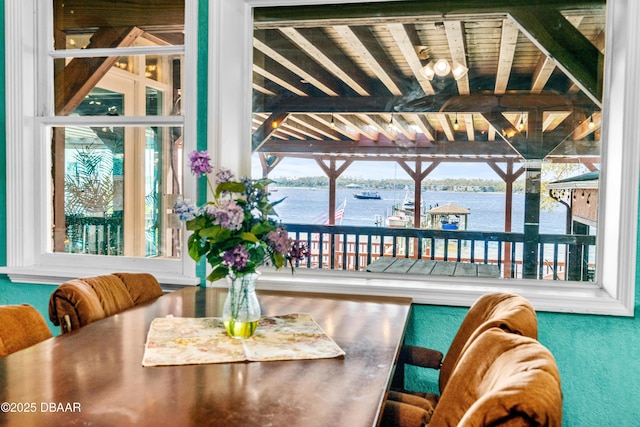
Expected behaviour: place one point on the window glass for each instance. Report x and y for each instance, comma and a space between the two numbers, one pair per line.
471, 136
114, 183
107, 208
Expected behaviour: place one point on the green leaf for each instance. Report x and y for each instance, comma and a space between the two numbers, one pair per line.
262, 228
217, 274
249, 237
262, 183
194, 247
231, 186
196, 223
216, 234
279, 260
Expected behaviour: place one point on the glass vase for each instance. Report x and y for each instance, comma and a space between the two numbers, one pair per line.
241, 311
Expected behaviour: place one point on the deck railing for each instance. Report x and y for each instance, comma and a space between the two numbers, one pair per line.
339, 247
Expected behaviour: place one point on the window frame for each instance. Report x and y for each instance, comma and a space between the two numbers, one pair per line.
230, 65
28, 30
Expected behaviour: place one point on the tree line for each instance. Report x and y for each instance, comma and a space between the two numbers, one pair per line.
445, 184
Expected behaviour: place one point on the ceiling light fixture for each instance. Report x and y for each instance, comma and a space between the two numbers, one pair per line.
592, 125
442, 68
333, 124
456, 126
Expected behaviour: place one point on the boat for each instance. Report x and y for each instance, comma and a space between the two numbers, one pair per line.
408, 204
367, 195
398, 221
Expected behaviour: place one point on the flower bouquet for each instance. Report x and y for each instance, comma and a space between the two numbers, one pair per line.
236, 233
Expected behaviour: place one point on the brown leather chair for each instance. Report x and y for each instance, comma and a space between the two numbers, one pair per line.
508, 311
142, 287
78, 302
21, 326
501, 379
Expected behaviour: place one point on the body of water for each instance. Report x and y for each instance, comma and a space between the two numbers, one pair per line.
307, 205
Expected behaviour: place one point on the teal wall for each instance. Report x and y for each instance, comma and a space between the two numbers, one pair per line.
598, 356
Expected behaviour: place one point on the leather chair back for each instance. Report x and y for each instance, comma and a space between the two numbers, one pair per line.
78, 302
21, 326
507, 311
502, 379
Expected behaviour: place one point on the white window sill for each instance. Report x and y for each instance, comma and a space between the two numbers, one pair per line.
567, 297
56, 275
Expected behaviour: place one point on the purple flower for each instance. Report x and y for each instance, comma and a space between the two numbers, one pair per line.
236, 258
185, 210
224, 175
209, 210
229, 215
199, 161
298, 251
279, 241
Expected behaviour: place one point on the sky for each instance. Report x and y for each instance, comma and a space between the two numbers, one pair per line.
294, 167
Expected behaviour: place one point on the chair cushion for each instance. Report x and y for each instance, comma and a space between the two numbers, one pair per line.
508, 311
502, 379
75, 299
21, 326
400, 414
112, 293
142, 287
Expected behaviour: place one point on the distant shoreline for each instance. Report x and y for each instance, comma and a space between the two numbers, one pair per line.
468, 185
402, 188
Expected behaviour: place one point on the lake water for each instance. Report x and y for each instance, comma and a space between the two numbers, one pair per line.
306, 205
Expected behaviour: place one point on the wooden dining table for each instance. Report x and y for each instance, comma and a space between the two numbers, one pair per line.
94, 375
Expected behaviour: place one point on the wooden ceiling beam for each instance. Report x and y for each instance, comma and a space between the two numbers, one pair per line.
553, 120
81, 75
469, 126
315, 44
455, 37
447, 126
381, 125
367, 48
307, 123
406, 39
579, 59
508, 42
542, 73
329, 121
404, 127
280, 75
474, 103
354, 122
589, 126
267, 128
421, 121
290, 58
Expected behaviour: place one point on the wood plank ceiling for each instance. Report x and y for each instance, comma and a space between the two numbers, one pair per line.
344, 82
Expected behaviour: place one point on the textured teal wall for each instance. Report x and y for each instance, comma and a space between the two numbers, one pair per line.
597, 355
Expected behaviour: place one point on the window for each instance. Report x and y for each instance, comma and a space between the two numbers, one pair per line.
35, 256
114, 91
609, 291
